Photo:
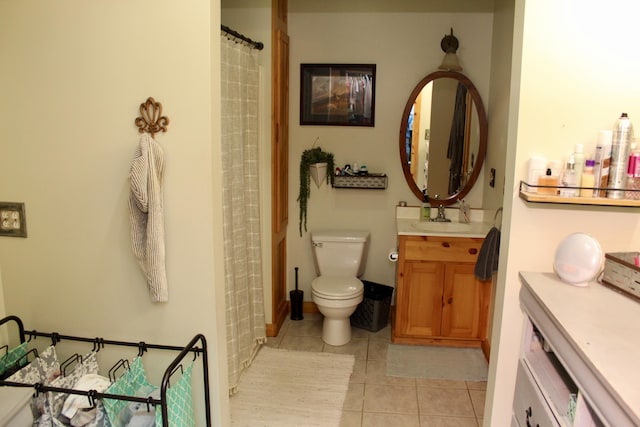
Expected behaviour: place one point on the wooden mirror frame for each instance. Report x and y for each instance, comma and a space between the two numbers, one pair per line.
483, 129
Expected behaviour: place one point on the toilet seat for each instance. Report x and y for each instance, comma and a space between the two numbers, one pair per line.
337, 288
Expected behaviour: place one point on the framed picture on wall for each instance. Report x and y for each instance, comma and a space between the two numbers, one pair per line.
337, 94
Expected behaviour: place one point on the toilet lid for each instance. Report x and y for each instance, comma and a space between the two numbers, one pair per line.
336, 287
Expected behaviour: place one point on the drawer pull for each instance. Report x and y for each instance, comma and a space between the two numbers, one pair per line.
445, 244
473, 251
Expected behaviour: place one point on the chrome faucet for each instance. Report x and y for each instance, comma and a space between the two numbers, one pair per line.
442, 217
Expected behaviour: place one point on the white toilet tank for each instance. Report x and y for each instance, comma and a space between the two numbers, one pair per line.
339, 253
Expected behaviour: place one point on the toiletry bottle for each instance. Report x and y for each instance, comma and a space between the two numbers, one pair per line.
548, 183
578, 156
622, 135
537, 167
464, 213
633, 177
603, 162
588, 179
425, 215
569, 179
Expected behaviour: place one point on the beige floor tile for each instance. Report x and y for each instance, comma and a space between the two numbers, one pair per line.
426, 382
359, 333
377, 374
444, 401
351, 419
305, 328
393, 399
378, 349
357, 347
477, 385
290, 342
372, 419
354, 400
435, 421
383, 334
274, 342
477, 400
359, 371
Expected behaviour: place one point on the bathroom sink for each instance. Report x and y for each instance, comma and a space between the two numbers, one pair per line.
441, 227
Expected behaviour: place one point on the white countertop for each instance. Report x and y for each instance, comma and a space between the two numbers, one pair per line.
408, 227
408, 223
601, 325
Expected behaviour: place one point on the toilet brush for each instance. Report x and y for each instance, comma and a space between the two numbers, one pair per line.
296, 297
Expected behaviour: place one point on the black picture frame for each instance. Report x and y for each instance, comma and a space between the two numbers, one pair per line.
337, 94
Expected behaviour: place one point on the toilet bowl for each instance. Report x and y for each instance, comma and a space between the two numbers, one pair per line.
337, 298
337, 291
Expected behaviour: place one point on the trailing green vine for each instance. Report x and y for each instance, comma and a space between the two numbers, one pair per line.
309, 157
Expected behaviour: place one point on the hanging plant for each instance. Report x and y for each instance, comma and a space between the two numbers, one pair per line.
310, 157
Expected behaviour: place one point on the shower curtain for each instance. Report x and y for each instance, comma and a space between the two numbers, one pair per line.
241, 210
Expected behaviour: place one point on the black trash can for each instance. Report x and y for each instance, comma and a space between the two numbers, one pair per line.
372, 313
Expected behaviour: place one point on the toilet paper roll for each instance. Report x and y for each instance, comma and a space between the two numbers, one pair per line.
393, 255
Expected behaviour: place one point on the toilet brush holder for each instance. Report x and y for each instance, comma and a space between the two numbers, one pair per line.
296, 304
296, 297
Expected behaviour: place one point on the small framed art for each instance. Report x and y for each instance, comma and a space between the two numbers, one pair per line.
337, 94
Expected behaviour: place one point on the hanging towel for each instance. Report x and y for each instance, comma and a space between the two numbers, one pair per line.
146, 215
487, 262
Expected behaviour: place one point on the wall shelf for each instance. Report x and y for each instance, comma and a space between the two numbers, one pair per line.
535, 197
372, 181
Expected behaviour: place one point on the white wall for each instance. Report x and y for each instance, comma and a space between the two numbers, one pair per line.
72, 78
405, 47
578, 73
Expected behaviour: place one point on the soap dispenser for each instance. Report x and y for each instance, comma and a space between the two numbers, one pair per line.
425, 215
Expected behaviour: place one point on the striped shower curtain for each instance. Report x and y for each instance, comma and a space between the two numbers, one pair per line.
241, 211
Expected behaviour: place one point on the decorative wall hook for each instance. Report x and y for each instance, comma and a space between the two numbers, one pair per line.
151, 119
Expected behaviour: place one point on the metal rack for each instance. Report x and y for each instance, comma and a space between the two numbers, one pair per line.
197, 346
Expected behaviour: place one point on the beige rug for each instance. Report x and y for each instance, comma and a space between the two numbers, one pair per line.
441, 363
292, 388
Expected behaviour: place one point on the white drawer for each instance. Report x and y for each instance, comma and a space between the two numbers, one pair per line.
529, 406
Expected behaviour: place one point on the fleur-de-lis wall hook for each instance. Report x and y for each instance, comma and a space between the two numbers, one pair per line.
151, 120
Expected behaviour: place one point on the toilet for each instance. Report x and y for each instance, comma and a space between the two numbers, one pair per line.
339, 259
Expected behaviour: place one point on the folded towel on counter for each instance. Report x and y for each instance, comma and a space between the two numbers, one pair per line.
487, 262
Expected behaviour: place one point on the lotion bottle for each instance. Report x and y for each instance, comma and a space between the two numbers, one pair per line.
588, 179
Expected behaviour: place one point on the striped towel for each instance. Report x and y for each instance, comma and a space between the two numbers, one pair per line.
146, 215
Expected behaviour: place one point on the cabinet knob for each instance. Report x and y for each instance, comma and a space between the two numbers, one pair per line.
445, 244
473, 251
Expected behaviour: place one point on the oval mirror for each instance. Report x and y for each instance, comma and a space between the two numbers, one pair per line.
443, 137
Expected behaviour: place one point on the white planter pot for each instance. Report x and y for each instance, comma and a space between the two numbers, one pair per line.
318, 172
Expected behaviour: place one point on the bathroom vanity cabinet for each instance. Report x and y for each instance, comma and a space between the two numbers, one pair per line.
578, 359
439, 301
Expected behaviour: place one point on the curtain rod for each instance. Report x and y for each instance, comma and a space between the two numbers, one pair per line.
237, 35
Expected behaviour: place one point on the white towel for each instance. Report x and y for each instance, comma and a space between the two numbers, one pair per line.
146, 215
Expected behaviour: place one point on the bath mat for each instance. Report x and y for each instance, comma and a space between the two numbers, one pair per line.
292, 388
442, 363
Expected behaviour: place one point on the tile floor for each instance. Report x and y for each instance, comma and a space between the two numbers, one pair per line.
375, 399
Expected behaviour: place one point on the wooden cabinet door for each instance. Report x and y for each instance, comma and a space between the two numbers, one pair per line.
462, 302
279, 165
419, 299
